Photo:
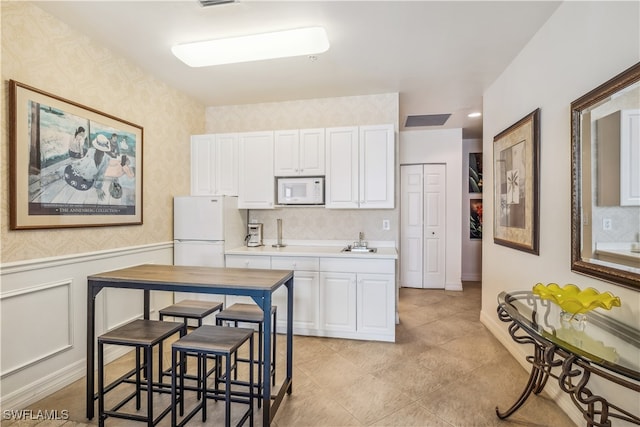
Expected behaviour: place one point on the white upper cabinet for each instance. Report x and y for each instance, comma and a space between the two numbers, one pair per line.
299, 152
255, 172
214, 165
360, 167
341, 182
377, 148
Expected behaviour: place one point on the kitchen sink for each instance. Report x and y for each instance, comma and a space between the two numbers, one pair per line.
360, 250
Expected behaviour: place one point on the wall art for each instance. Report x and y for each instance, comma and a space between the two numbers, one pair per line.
515, 186
71, 165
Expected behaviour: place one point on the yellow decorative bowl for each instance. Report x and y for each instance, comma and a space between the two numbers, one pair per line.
572, 300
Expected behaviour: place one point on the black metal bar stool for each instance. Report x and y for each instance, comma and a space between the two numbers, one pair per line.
251, 313
189, 309
142, 334
219, 341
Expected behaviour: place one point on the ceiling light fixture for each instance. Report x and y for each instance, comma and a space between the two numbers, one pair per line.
255, 47
474, 114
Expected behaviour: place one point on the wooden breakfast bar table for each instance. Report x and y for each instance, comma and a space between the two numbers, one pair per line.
255, 283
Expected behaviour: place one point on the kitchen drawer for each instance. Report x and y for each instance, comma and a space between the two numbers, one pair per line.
295, 263
355, 265
243, 261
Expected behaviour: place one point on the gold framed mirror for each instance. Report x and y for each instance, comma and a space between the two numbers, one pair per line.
605, 181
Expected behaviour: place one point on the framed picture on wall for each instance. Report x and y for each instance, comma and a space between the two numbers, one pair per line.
71, 165
515, 186
475, 172
475, 219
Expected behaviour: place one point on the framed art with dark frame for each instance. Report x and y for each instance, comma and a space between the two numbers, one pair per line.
515, 185
475, 219
71, 165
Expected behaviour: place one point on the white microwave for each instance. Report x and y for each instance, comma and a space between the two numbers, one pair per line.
300, 191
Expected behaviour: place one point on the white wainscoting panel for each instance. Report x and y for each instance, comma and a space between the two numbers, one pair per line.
121, 306
43, 308
29, 341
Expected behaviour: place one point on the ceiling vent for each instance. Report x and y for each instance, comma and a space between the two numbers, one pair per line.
426, 120
206, 3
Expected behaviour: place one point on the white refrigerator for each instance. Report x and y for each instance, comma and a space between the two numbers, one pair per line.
203, 228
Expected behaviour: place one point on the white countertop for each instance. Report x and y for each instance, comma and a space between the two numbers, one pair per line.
313, 250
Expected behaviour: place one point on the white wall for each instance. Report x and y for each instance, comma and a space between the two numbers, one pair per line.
580, 47
443, 147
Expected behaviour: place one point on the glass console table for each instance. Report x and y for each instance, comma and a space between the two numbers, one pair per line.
571, 351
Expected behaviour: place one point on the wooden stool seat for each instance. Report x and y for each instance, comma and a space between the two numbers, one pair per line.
250, 313
191, 309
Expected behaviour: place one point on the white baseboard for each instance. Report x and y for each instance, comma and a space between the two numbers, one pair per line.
453, 286
54, 382
474, 277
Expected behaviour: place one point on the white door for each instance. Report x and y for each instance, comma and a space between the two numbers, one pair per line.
411, 217
434, 226
422, 234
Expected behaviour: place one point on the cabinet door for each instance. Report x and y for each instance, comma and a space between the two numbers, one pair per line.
305, 301
255, 174
376, 304
203, 159
377, 147
242, 261
226, 166
338, 302
286, 153
341, 184
311, 152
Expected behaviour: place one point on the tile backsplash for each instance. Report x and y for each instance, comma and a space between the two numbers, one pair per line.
327, 224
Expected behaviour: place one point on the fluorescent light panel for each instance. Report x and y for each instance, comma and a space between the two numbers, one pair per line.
279, 44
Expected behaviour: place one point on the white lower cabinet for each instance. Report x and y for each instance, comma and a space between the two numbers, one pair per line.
305, 295
338, 302
333, 297
376, 308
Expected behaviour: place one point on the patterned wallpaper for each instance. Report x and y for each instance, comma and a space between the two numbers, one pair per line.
316, 223
41, 51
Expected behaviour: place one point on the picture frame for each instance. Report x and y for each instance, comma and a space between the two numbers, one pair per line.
475, 219
516, 152
71, 165
475, 173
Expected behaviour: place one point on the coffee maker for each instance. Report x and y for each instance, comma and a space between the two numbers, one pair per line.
254, 235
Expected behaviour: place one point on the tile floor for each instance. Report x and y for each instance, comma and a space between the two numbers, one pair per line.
445, 369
